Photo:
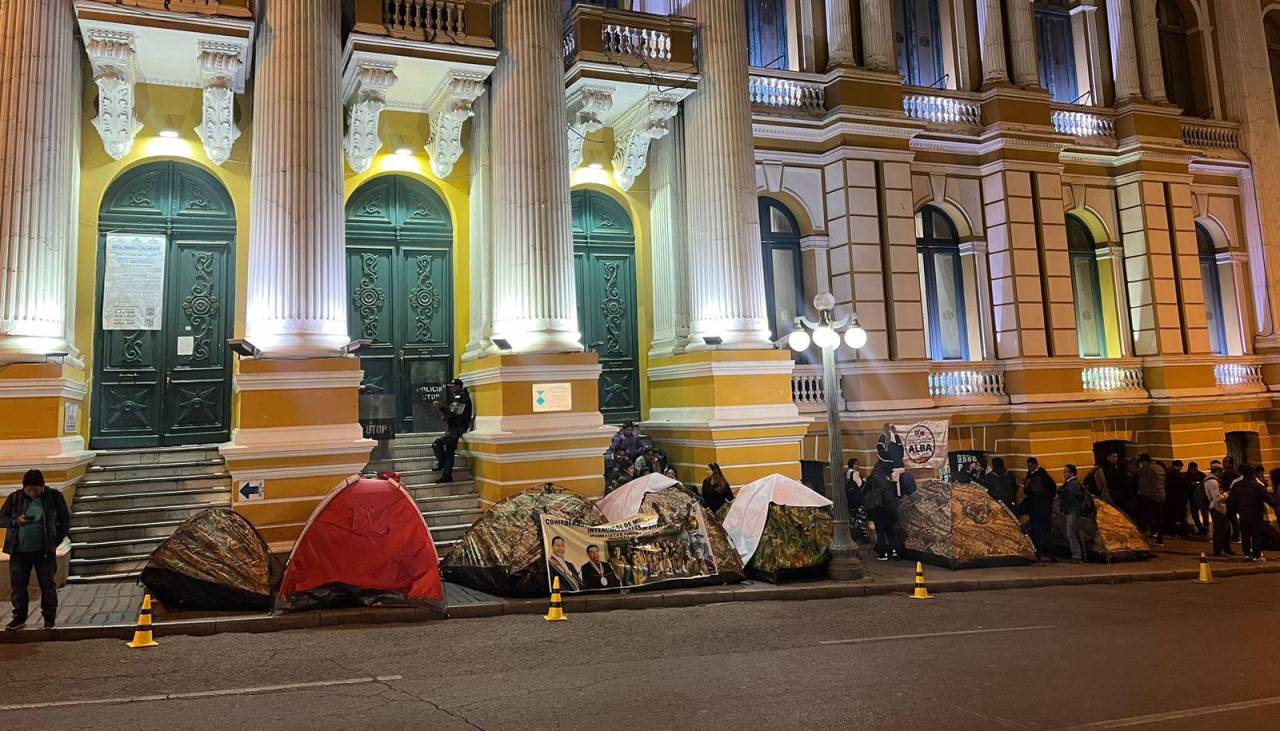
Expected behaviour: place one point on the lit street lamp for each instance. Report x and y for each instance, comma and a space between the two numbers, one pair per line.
845, 564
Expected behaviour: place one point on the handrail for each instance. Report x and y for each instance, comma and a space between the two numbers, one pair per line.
1211, 134
458, 22
973, 382
608, 35
1089, 125
784, 92
949, 109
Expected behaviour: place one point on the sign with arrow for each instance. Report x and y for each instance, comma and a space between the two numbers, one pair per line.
252, 490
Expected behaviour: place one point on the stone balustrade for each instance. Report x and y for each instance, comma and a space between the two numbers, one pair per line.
457, 22
1239, 376
1082, 125
633, 39
939, 109
1113, 379
776, 92
968, 383
1211, 135
808, 388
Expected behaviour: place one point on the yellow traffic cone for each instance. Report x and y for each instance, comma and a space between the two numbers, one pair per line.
142, 636
1206, 573
921, 592
556, 612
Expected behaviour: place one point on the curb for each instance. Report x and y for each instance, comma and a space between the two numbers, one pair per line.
699, 596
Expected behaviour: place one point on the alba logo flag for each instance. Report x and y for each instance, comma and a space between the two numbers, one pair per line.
924, 444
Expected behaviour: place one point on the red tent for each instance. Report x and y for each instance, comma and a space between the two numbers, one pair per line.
365, 545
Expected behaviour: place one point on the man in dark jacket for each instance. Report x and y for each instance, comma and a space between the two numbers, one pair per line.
1247, 500
1177, 493
1071, 503
456, 408
880, 497
1037, 504
1001, 484
35, 520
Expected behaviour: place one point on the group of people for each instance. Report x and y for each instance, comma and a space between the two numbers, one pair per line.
630, 458
875, 498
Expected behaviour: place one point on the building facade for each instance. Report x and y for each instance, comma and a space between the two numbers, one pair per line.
240, 223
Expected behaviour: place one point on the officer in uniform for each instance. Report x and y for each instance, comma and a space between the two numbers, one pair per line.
456, 407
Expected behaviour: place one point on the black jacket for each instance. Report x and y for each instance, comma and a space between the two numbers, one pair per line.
1002, 486
1038, 500
57, 519
594, 579
713, 497
1247, 500
457, 412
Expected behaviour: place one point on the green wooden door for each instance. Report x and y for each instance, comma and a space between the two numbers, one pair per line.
399, 272
171, 385
604, 263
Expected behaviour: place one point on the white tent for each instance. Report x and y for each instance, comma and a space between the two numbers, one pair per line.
750, 509
625, 501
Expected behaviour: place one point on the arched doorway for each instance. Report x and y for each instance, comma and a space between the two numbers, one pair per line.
399, 274
166, 278
604, 255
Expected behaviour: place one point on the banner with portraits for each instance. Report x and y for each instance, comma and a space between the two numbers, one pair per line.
924, 444
634, 552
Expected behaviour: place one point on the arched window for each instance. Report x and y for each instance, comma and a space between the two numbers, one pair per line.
1091, 321
942, 284
783, 271
1273, 54
767, 34
1057, 50
1175, 55
918, 31
1215, 314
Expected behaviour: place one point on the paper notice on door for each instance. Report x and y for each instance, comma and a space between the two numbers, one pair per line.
186, 346
133, 282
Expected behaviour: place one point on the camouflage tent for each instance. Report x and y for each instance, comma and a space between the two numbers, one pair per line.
960, 526
674, 506
502, 551
780, 527
1110, 537
215, 560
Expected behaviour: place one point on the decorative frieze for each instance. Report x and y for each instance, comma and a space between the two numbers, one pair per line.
362, 142
585, 109
111, 54
449, 110
643, 123
220, 64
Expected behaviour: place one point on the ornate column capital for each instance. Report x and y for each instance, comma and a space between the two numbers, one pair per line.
448, 111
640, 125
220, 64
585, 108
111, 54
372, 81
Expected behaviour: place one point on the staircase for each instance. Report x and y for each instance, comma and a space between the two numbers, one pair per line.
450, 508
132, 499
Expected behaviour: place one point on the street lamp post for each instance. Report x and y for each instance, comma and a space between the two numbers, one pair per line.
845, 564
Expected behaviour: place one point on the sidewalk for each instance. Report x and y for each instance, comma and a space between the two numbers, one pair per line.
109, 610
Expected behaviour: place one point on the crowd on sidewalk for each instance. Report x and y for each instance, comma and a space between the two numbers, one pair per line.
629, 458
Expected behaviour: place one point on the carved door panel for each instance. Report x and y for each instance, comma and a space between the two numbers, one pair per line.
197, 362
425, 332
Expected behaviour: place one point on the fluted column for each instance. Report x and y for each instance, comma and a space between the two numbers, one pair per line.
479, 254
726, 285
297, 297
1022, 43
1124, 53
534, 299
839, 24
995, 70
1148, 34
670, 242
878, 52
39, 172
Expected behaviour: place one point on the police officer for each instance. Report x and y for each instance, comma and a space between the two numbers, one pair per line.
456, 407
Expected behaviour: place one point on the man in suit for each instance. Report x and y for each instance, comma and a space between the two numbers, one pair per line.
597, 574
569, 578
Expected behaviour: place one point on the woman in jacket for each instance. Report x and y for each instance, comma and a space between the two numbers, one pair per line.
715, 489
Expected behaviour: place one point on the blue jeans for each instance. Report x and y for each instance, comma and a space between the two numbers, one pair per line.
1073, 536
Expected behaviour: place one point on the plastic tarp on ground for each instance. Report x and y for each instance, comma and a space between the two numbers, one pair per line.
960, 526
365, 545
672, 502
1110, 537
502, 551
215, 560
779, 527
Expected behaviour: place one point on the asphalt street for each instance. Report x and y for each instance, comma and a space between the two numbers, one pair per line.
1155, 655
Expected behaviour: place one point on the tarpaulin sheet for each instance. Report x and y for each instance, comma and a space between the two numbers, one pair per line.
215, 560
745, 520
624, 502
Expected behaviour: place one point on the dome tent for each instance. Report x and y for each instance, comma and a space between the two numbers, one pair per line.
1108, 537
215, 560
960, 526
366, 544
501, 553
780, 528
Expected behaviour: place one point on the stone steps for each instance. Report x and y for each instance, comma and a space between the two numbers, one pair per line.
449, 508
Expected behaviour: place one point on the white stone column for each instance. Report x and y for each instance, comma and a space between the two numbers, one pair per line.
297, 296
1022, 43
670, 242
39, 174
534, 297
1148, 35
727, 273
995, 70
878, 52
1124, 52
839, 23
480, 266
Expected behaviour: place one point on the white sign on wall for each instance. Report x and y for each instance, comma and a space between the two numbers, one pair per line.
133, 282
71, 417
552, 397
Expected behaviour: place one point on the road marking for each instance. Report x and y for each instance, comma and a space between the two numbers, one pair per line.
1179, 715
201, 693
926, 635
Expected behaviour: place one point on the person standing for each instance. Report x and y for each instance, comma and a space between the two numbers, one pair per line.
1196, 502
715, 489
1071, 499
1150, 498
1177, 492
36, 521
1216, 498
1037, 504
881, 501
1001, 483
1247, 500
456, 408
627, 440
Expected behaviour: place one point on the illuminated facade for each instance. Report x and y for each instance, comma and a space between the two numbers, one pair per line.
1044, 214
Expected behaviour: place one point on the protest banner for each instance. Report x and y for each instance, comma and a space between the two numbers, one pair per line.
924, 444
